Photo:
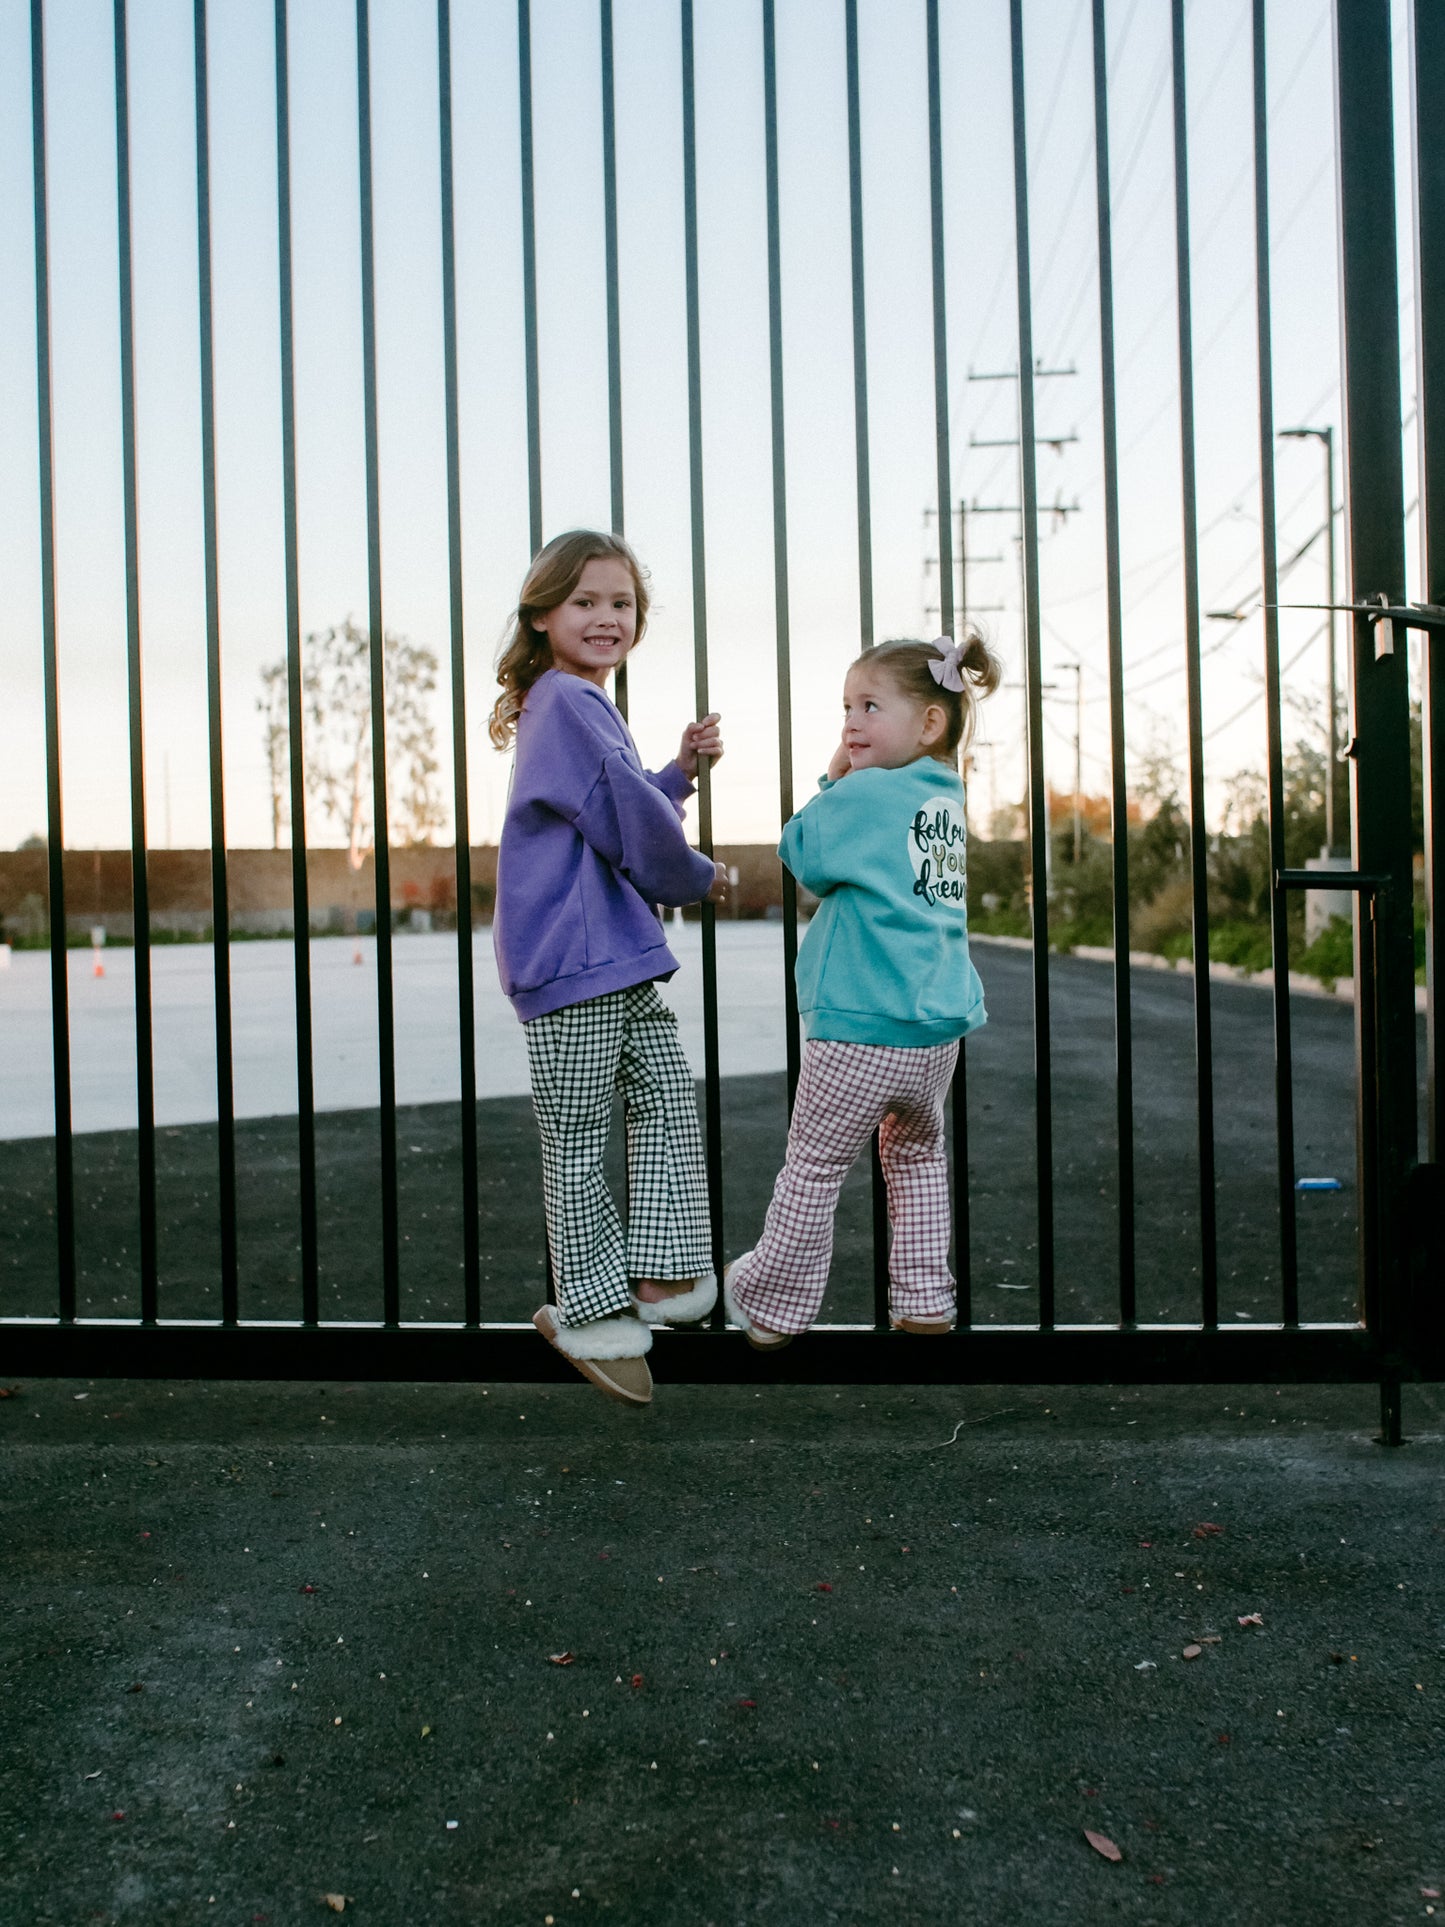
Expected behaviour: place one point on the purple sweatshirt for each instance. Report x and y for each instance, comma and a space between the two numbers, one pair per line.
590, 843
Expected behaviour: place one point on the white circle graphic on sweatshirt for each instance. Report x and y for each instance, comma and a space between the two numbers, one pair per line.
936, 848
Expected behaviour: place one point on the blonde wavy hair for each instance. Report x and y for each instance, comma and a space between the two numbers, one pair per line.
526, 653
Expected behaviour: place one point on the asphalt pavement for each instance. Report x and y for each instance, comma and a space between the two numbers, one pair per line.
474, 1654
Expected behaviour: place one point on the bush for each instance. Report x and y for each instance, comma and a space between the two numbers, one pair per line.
1069, 932
1244, 944
1009, 920
1332, 954
1166, 920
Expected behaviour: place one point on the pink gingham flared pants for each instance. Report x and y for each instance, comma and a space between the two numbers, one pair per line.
845, 1093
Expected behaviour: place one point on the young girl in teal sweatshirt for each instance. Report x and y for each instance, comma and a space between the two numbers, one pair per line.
886, 988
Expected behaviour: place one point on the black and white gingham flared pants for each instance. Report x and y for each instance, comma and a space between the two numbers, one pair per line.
623, 1043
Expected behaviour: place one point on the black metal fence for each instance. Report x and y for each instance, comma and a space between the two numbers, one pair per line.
1399, 1332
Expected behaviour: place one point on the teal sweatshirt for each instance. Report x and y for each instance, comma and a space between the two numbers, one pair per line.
885, 959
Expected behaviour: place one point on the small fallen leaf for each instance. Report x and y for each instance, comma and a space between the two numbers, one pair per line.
336, 1902
1101, 1843
1429, 1893
10, 1391
1223, 1739
1192, 1652
1211, 1639
1251, 1619
1207, 1530
119, 1814
637, 1680
307, 1588
747, 1703
1147, 1666
562, 1659
137, 1687
91, 1776
1146, 1545
425, 1730
822, 1586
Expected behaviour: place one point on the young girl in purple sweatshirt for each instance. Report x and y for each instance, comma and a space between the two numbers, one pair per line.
591, 844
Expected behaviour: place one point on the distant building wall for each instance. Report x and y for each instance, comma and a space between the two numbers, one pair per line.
423, 885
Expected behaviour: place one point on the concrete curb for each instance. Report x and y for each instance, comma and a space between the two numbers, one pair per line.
1300, 984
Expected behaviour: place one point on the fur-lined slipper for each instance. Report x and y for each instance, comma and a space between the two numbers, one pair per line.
679, 1307
760, 1340
610, 1352
928, 1327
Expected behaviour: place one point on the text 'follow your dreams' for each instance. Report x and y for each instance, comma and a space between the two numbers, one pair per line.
936, 840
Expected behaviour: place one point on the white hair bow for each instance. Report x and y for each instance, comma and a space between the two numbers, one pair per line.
948, 673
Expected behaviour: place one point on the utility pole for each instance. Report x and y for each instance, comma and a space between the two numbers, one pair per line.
1078, 669
964, 607
1059, 509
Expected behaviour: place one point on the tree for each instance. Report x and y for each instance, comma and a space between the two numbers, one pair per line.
272, 705
336, 690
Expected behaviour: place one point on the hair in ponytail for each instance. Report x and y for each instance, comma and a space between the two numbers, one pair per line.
911, 665
555, 572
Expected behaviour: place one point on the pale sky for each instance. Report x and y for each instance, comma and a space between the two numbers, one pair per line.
818, 349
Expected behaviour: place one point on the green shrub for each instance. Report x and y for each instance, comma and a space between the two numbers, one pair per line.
1067, 933
1242, 942
1332, 954
1008, 921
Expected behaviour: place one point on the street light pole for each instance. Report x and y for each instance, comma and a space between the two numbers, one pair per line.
1326, 437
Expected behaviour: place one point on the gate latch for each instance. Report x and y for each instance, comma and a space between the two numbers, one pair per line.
1384, 617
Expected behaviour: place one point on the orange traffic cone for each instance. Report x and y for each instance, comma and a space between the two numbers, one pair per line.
356, 955
99, 970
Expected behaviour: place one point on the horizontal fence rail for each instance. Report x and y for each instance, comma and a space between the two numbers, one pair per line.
1388, 1340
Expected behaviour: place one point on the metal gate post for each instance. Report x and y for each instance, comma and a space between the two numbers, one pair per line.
1427, 60
1375, 551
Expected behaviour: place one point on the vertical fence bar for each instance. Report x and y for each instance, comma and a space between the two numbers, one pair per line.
782, 618
1118, 757
946, 614
614, 306
860, 330
1269, 589
295, 704
1198, 834
1427, 49
711, 1067
529, 276
50, 655
466, 1013
220, 894
1375, 550
865, 529
1033, 677
385, 1008
140, 881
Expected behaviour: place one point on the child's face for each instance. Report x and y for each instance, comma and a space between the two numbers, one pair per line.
592, 631
883, 727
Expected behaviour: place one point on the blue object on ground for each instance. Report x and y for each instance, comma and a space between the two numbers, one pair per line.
1318, 1184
